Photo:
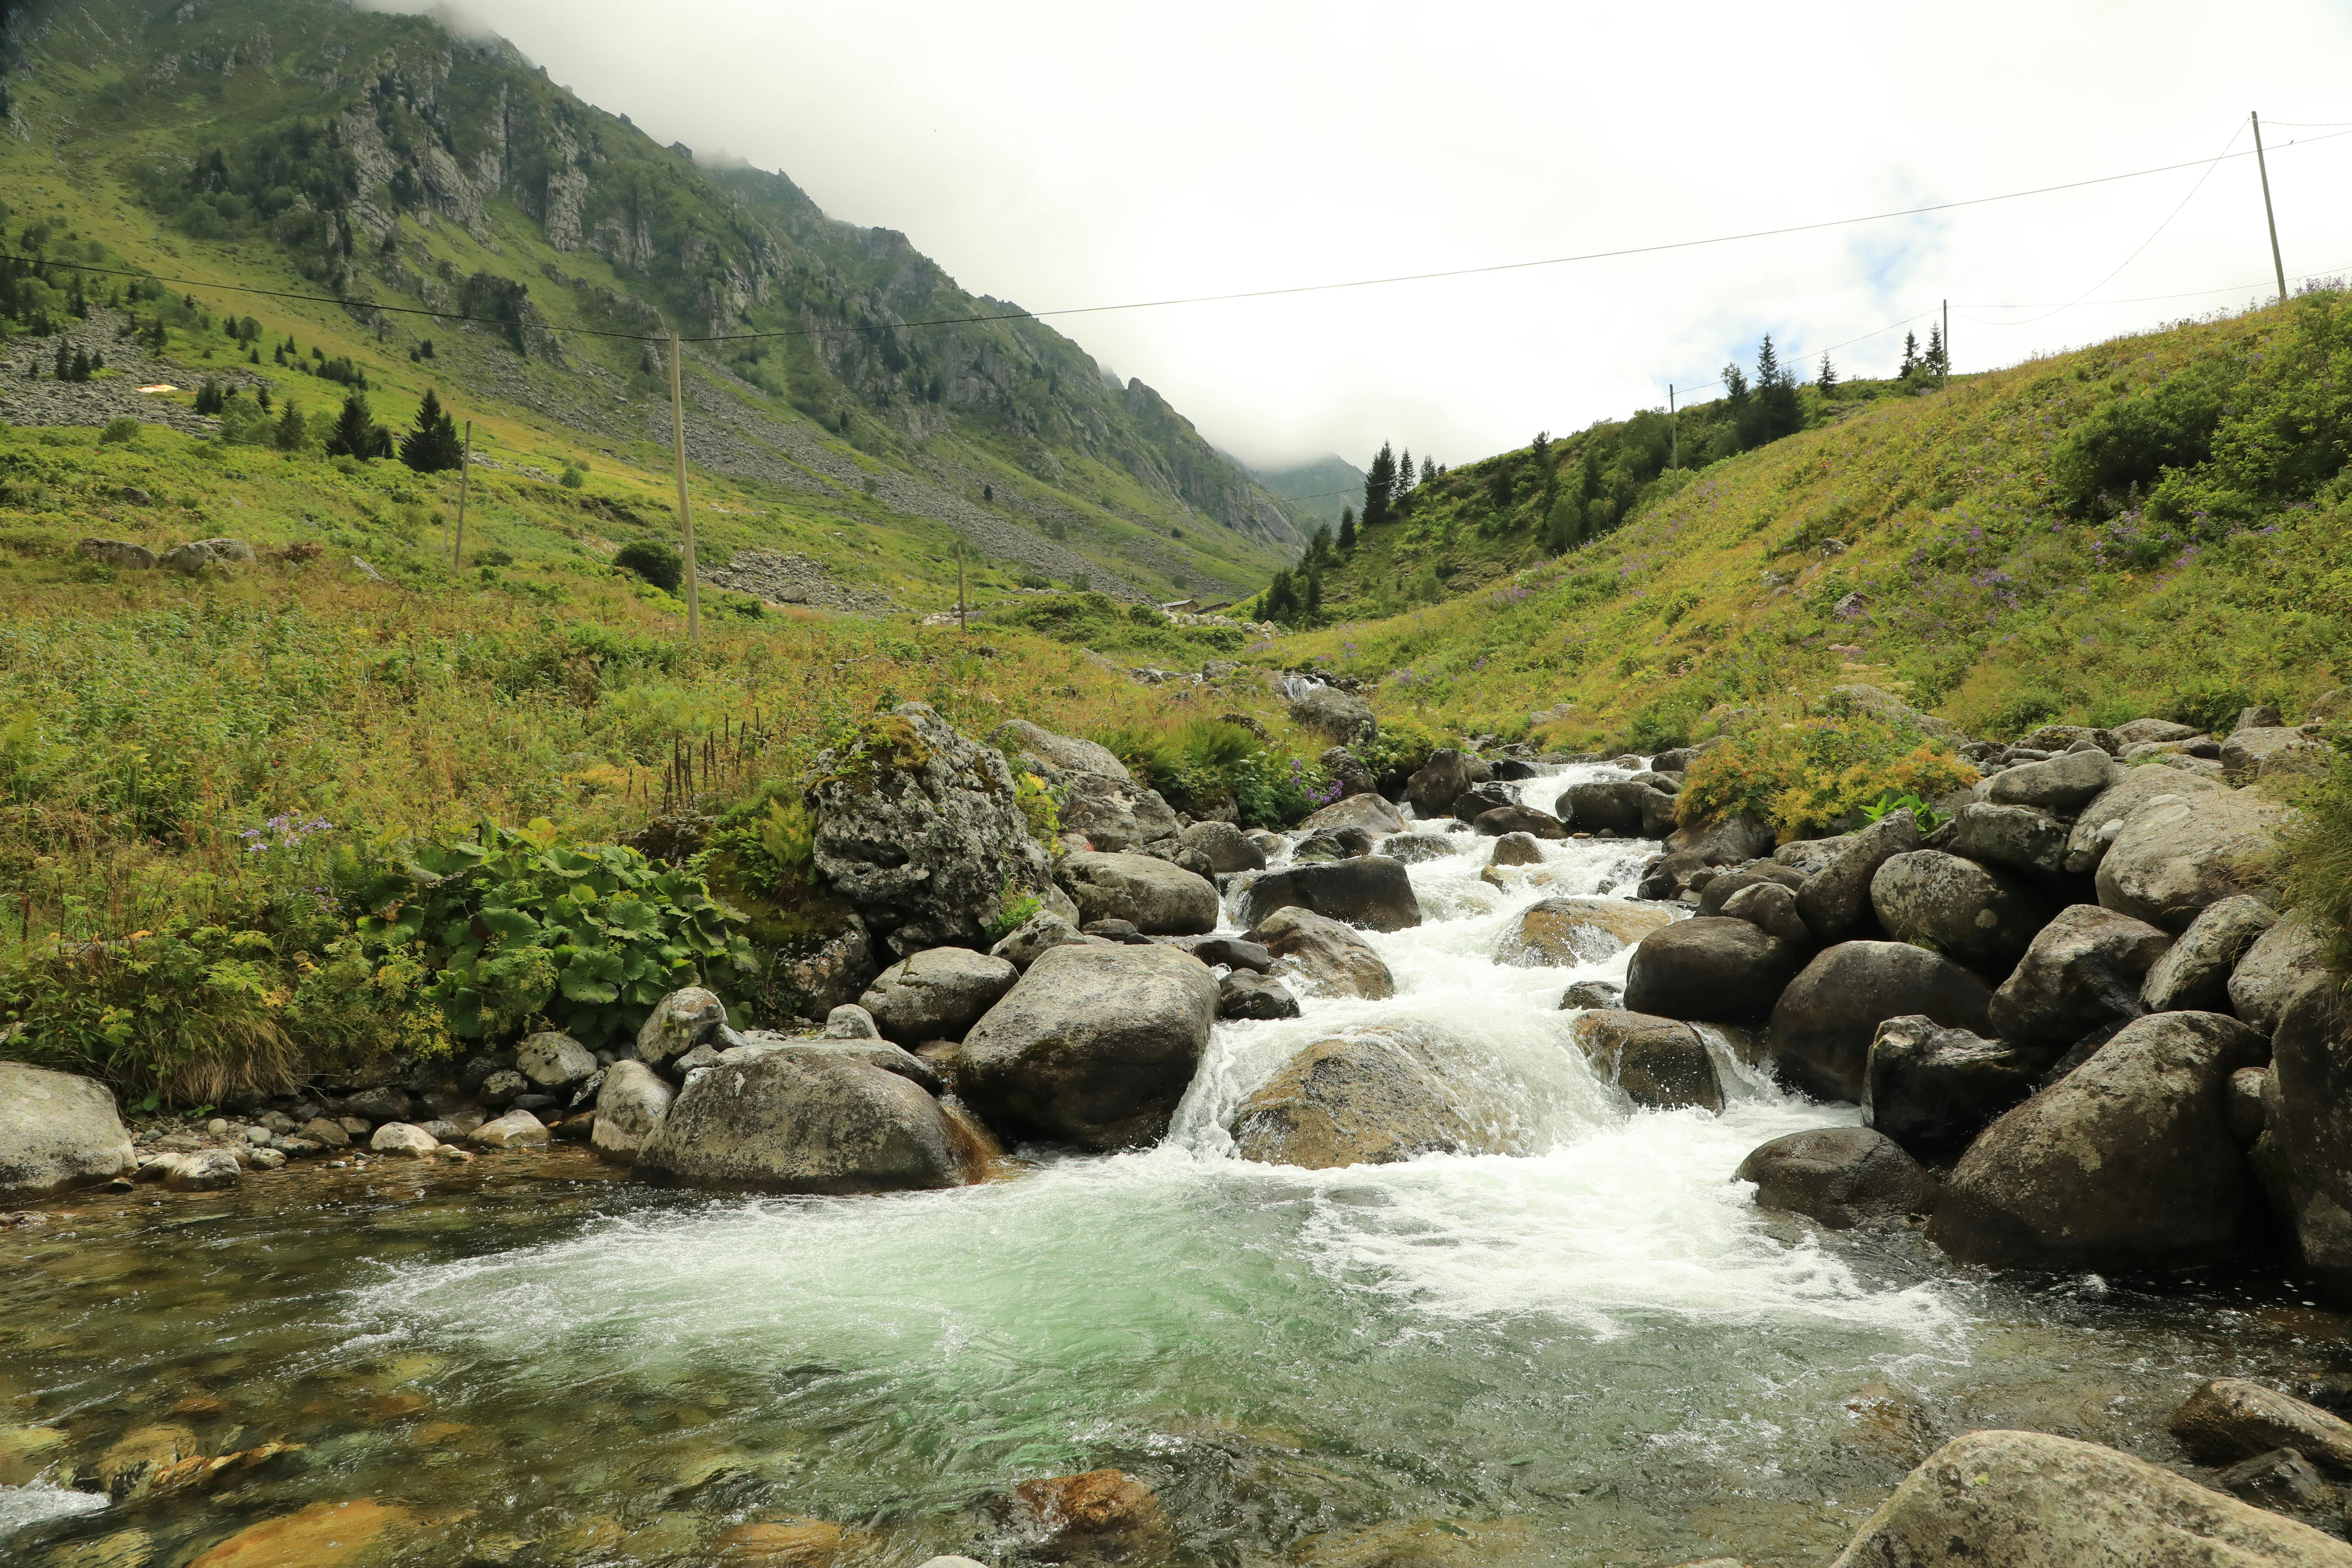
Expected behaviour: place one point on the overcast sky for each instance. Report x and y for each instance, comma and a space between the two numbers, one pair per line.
1057, 153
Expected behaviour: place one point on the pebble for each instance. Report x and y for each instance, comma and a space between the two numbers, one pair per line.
216, 1126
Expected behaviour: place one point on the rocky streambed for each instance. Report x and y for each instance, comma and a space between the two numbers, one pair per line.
1546, 1324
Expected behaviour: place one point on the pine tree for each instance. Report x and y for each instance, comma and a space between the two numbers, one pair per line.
1828, 378
1404, 475
1910, 354
65, 363
431, 446
1280, 600
1346, 528
1318, 549
290, 428
1933, 361
355, 434
1429, 470
1312, 602
1380, 487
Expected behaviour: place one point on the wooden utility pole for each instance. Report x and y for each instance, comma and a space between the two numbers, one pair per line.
1674, 431
465, 481
1947, 366
963, 625
2269, 216
685, 516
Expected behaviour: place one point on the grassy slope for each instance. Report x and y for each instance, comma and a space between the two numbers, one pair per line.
1976, 597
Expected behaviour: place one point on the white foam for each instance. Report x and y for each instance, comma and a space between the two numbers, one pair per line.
21, 1507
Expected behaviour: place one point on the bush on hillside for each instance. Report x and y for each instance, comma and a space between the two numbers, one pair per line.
2124, 447
654, 562
2318, 860
1216, 764
1809, 776
121, 432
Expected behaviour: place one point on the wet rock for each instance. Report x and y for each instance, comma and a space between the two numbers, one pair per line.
1442, 779
26, 1452
1473, 803
1591, 993
400, 1139
1048, 752
387, 1102
554, 1060
1115, 816
1670, 876
1094, 1045
2193, 975
1933, 1089
1324, 956
2229, 1419
1369, 812
937, 995
205, 1171
2064, 785
1523, 819
1244, 994
2027, 1499
2173, 858
1731, 842
679, 1022
1772, 908
1560, 932
1838, 1176
2308, 1119
2276, 964
1967, 912
1369, 891
1371, 1098
1336, 715
1510, 850
2126, 1162
329, 1134
1660, 1064
1709, 968
1827, 1018
1835, 897
514, 1130
1616, 805
323, 1535
2084, 970
809, 1121
2282, 1480
1225, 847
1234, 952
629, 1106
2095, 827
919, 830
1157, 898
1100, 1515
1412, 849
58, 1132
1026, 942
134, 1462
2021, 839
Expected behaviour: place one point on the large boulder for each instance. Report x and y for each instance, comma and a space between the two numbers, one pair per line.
1322, 956
920, 830
1225, 847
1622, 807
57, 1130
2065, 783
1369, 812
1839, 1176
1828, 1015
1157, 898
937, 993
1334, 714
1660, 1063
554, 1060
1969, 913
1095, 1046
2152, 732
2193, 975
1442, 779
809, 1121
2276, 964
2027, 1499
1835, 897
2230, 1419
1735, 840
1933, 1090
2126, 1162
1559, 932
679, 1022
2173, 858
2084, 969
1502, 819
1370, 891
1049, 753
1247, 996
1772, 907
1716, 888
2269, 751
1709, 968
1115, 815
2022, 839
1021, 946
2309, 1117
1510, 850
1370, 1099
630, 1103
2097, 825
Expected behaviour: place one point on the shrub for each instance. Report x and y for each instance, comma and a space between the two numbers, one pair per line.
2126, 445
122, 432
656, 563
1812, 774
2318, 860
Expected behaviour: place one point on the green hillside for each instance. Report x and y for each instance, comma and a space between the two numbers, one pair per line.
305, 147
2155, 525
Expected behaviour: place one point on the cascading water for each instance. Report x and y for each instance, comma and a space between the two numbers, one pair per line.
1594, 1350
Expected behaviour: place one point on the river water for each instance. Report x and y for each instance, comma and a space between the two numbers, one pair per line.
1598, 1352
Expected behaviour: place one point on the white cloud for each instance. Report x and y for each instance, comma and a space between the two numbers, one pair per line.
1058, 153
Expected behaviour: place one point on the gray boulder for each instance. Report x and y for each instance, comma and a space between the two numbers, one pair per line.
1336, 715
1933, 1090
1021, 946
1095, 1046
1051, 754
1524, 819
1370, 891
1771, 907
2022, 839
1660, 1064
937, 995
1510, 850
1559, 932
1372, 1099
630, 1104
1412, 849
1157, 898
2084, 970
1371, 812
2266, 752
1621, 806
2230, 1419
2065, 783
1826, 1018
1225, 847
1838, 1176
2193, 975
2309, 1120
1474, 801
1324, 956
57, 1130
1709, 968
679, 1022
809, 1121
821, 974
2277, 964
120, 552
1244, 994
1233, 952
1967, 912
2126, 1162
1716, 889
847, 1022
389, 1102
2173, 858
1443, 778
1115, 815
2095, 827
2152, 732
1731, 842
920, 831
1836, 896
202, 1170
554, 1060
2027, 1499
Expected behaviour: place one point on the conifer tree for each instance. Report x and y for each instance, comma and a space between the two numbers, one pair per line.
1429, 470
1910, 354
355, 434
1404, 475
1311, 602
1380, 487
1346, 528
290, 428
65, 361
1280, 601
431, 446
1933, 361
1318, 549
1828, 378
